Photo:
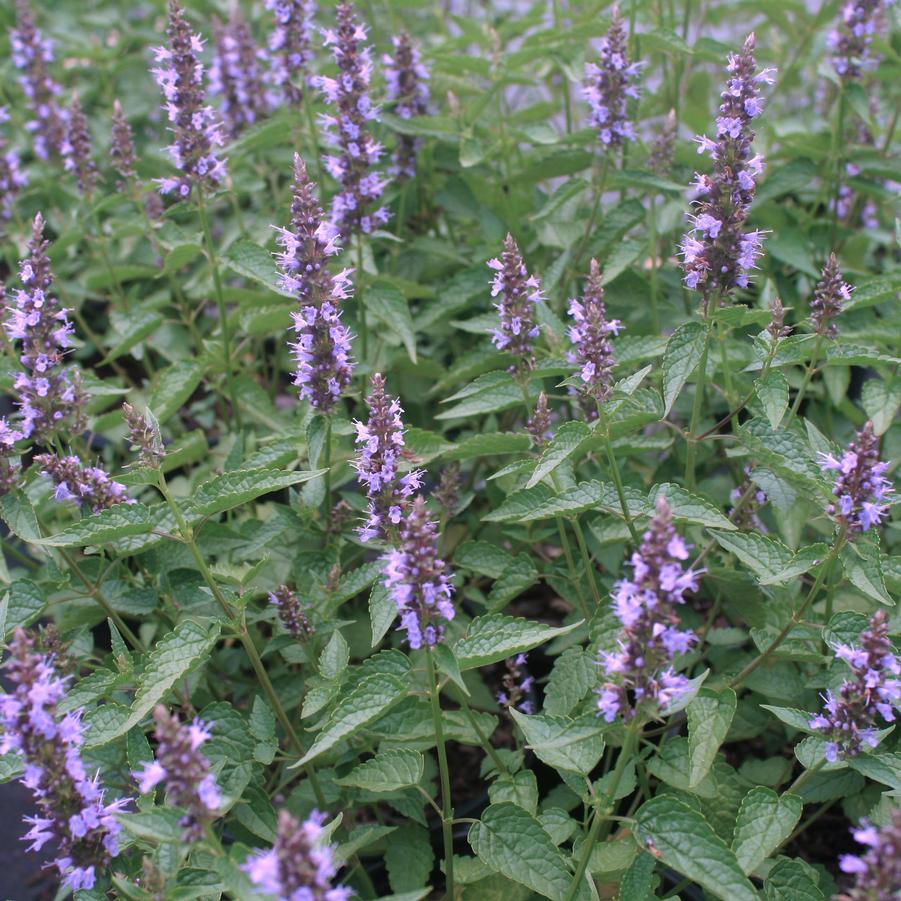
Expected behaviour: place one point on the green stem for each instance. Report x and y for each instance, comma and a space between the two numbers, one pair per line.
616, 476
692, 452
571, 565
586, 561
806, 775
808, 375
598, 181
327, 462
446, 800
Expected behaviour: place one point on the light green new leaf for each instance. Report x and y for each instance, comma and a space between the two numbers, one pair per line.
709, 718
386, 772
495, 637
232, 489
772, 391
680, 359
765, 820
564, 743
116, 522
566, 440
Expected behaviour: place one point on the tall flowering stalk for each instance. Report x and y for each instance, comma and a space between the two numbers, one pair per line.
195, 129
850, 716
12, 178
851, 38
640, 677
9, 468
322, 347
348, 129
876, 871
718, 253
290, 612
73, 815
84, 485
290, 46
830, 294
50, 395
407, 81
76, 149
301, 864
381, 441
122, 146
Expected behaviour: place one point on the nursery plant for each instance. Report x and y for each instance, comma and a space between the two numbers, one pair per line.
448, 449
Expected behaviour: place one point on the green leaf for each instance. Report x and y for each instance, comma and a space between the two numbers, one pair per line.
409, 859
881, 401
762, 555
563, 743
139, 327
386, 772
803, 561
567, 438
489, 445
709, 718
792, 880
23, 602
772, 392
765, 820
789, 246
687, 843
689, 507
791, 716
494, 637
254, 262
574, 674
262, 727
370, 698
520, 788
334, 657
637, 883
483, 557
489, 393
519, 574
863, 567
680, 359
884, 768
382, 612
19, 515
232, 489
117, 522
173, 386
390, 307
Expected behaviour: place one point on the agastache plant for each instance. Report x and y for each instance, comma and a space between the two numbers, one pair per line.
851, 38
849, 721
12, 178
73, 817
538, 425
407, 81
639, 674
122, 146
348, 128
290, 612
9, 468
196, 131
876, 871
83, 485
829, 296
718, 252
289, 43
76, 149
144, 436
518, 684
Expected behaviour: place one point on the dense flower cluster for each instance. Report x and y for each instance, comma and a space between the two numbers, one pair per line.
290, 612
301, 864
417, 580
122, 146
185, 770
590, 336
849, 719
12, 178
381, 441
538, 425
877, 872
348, 128
519, 293
639, 673
144, 436
518, 685
49, 394
850, 40
76, 148
860, 483
407, 81
776, 327
290, 46
717, 253
73, 816
608, 86
322, 348
87, 485
9, 468
196, 131
830, 294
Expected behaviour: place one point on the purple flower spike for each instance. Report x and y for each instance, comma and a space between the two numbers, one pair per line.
538, 425
592, 350
608, 87
290, 46
849, 719
32, 54
348, 128
830, 294
850, 40
300, 866
194, 126
87, 485
76, 149
73, 816
717, 253
407, 81
185, 771
640, 673
50, 396
290, 612
417, 581
122, 147
877, 871
12, 178
519, 292
9, 468
381, 442
860, 483
322, 348
518, 685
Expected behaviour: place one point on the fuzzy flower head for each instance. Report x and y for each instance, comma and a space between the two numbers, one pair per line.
50, 397
347, 128
88, 485
861, 488
874, 689
829, 296
185, 771
777, 328
609, 83
380, 451
322, 346
876, 871
590, 335
144, 436
850, 40
407, 81
417, 580
300, 866
519, 686
289, 43
9, 466
12, 178
290, 612
76, 149
639, 674
517, 293
122, 146
718, 253
72, 814
538, 425
179, 73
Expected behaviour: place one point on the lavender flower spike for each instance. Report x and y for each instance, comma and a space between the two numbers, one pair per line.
76, 149
122, 147
196, 131
860, 483
73, 815
9, 468
381, 442
717, 252
828, 298
322, 348
877, 872
189, 783
88, 485
608, 87
848, 721
12, 178
290, 612
290, 46
850, 40
590, 335
640, 676
348, 128
407, 82
519, 293
49, 395
416, 579
300, 866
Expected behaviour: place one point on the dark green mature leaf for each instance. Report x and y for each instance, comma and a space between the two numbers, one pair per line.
689, 507
567, 438
488, 445
386, 772
574, 674
119, 521
23, 602
563, 743
792, 880
139, 327
490, 393
494, 637
232, 489
254, 262
680, 359
765, 556
765, 820
173, 386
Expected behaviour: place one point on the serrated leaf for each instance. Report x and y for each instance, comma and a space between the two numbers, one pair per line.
19, 515
709, 718
689, 507
254, 262
483, 557
382, 612
563, 743
765, 820
232, 489
494, 637
519, 574
801, 562
772, 392
138, 327
566, 439
519, 788
636, 884
390, 307
863, 567
574, 674
334, 657
386, 772
791, 716
23, 602
792, 880
262, 727
881, 401
489, 445
762, 555
884, 767
680, 359
173, 386
409, 858
119, 521
490, 393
